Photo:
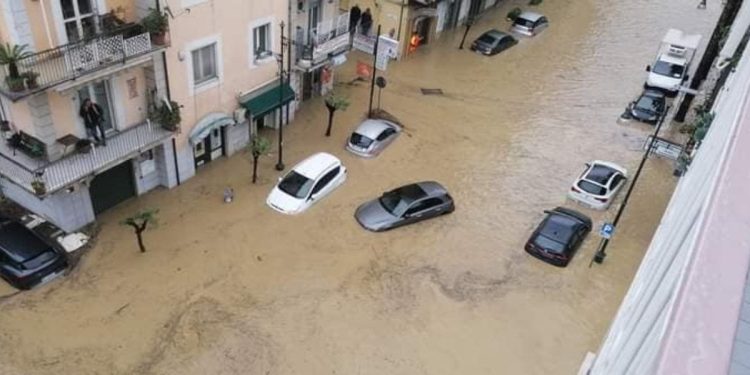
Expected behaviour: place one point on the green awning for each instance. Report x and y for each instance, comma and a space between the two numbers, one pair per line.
208, 123
269, 100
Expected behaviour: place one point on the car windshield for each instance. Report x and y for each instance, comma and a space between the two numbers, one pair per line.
487, 39
648, 104
19, 244
398, 200
523, 22
549, 244
296, 185
592, 188
667, 69
360, 140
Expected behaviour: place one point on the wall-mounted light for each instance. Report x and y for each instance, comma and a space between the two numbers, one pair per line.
181, 55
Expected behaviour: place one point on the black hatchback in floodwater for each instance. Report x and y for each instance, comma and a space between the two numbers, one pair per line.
26, 259
649, 107
558, 236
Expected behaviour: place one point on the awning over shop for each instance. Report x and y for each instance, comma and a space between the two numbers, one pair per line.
269, 100
208, 123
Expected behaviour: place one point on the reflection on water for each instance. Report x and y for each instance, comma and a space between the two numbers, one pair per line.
240, 289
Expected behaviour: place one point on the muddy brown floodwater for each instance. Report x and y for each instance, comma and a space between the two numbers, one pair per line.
240, 289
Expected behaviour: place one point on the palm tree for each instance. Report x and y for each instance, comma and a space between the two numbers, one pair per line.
334, 103
259, 146
10, 55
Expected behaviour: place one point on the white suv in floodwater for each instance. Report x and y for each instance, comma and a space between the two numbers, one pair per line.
598, 185
308, 182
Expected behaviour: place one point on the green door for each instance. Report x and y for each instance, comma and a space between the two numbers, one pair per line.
112, 187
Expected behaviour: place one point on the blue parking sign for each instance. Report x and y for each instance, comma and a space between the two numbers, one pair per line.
607, 230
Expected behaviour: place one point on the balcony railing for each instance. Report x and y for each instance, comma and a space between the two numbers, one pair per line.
61, 173
71, 61
326, 38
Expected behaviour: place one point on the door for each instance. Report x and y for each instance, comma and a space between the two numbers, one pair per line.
216, 143
311, 84
201, 153
79, 19
99, 93
112, 187
313, 17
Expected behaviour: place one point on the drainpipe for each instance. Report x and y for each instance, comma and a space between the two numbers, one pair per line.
169, 98
46, 23
289, 55
401, 20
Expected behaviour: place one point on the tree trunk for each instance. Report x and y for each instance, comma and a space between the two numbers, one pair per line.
330, 121
138, 234
255, 167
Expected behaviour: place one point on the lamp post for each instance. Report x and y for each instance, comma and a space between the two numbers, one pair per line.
280, 163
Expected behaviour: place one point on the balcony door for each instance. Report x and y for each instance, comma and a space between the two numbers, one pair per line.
99, 93
79, 19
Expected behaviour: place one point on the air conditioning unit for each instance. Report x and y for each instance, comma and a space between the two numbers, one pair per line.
239, 115
676, 50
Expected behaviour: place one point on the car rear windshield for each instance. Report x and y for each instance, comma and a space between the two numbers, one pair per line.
666, 69
360, 140
592, 188
487, 39
648, 104
296, 185
396, 201
549, 244
523, 22
600, 174
18, 243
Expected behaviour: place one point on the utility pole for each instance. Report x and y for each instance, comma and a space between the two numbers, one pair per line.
601, 251
280, 163
374, 71
469, 22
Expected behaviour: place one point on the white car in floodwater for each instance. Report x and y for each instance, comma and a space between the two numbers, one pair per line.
308, 182
598, 185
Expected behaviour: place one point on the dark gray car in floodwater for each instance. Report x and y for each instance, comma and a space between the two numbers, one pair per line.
649, 107
405, 205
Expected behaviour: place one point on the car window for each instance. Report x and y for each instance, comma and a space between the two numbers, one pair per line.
616, 180
385, 134
592, 188
296, 185
667, 69
523, 22
360, 140
325, 180
542, 21
424, 205
486, 39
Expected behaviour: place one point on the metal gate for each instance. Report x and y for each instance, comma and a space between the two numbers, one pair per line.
112, 187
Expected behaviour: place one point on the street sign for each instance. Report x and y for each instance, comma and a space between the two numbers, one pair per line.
664, 148
607, 230
387, 48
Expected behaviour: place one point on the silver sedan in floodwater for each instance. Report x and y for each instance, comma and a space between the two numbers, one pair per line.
405, 205
371, 137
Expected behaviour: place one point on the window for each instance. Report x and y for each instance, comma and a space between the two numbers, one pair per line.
424, 205
385, 134
326, 179
204, 64
78, 19
262, 41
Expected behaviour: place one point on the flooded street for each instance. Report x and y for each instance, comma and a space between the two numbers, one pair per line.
240, 289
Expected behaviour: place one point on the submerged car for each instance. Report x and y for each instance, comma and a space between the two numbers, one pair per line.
405, 205
371, 137
493, 42
558, 236
26, 260
649, 107
308, 182
598, 185
529, 23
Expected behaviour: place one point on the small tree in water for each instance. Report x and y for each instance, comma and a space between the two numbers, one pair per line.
334, 103
258, 147
139, 222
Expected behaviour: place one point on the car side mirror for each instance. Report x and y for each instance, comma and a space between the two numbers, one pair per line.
648, 68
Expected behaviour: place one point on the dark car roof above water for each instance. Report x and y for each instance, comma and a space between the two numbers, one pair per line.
19, 243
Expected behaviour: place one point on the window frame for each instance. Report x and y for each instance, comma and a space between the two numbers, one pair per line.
201, 57
193, 87
253, 60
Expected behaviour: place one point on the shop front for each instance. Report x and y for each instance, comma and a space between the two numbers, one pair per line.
208, 138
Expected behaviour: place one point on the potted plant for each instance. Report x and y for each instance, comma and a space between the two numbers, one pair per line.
40, 188
10, 55
31, 79
168, 116
83, 146
157, 25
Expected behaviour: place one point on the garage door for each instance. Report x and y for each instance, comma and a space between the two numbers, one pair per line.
112, 187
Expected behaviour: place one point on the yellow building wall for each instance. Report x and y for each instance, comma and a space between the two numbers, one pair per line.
133, 108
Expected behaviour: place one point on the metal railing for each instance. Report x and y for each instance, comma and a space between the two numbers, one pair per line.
76, 166
325, 37
73, 60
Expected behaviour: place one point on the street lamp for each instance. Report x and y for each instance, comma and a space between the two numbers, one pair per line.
280, 163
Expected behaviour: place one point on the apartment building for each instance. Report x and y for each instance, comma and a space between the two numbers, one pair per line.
67, 51
215, 71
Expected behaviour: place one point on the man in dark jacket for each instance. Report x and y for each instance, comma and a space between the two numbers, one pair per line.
92, 120
366, 22
354, 14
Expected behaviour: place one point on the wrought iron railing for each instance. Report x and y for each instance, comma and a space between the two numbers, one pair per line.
74, 167
324, 38
57, 65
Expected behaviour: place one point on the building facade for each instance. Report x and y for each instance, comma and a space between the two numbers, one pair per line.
78, 50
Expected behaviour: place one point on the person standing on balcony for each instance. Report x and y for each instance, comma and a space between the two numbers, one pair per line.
366, 22
354, 15
92, 119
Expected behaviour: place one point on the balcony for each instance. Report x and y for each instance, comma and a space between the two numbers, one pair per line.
72, 61
57, 175
329, 38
